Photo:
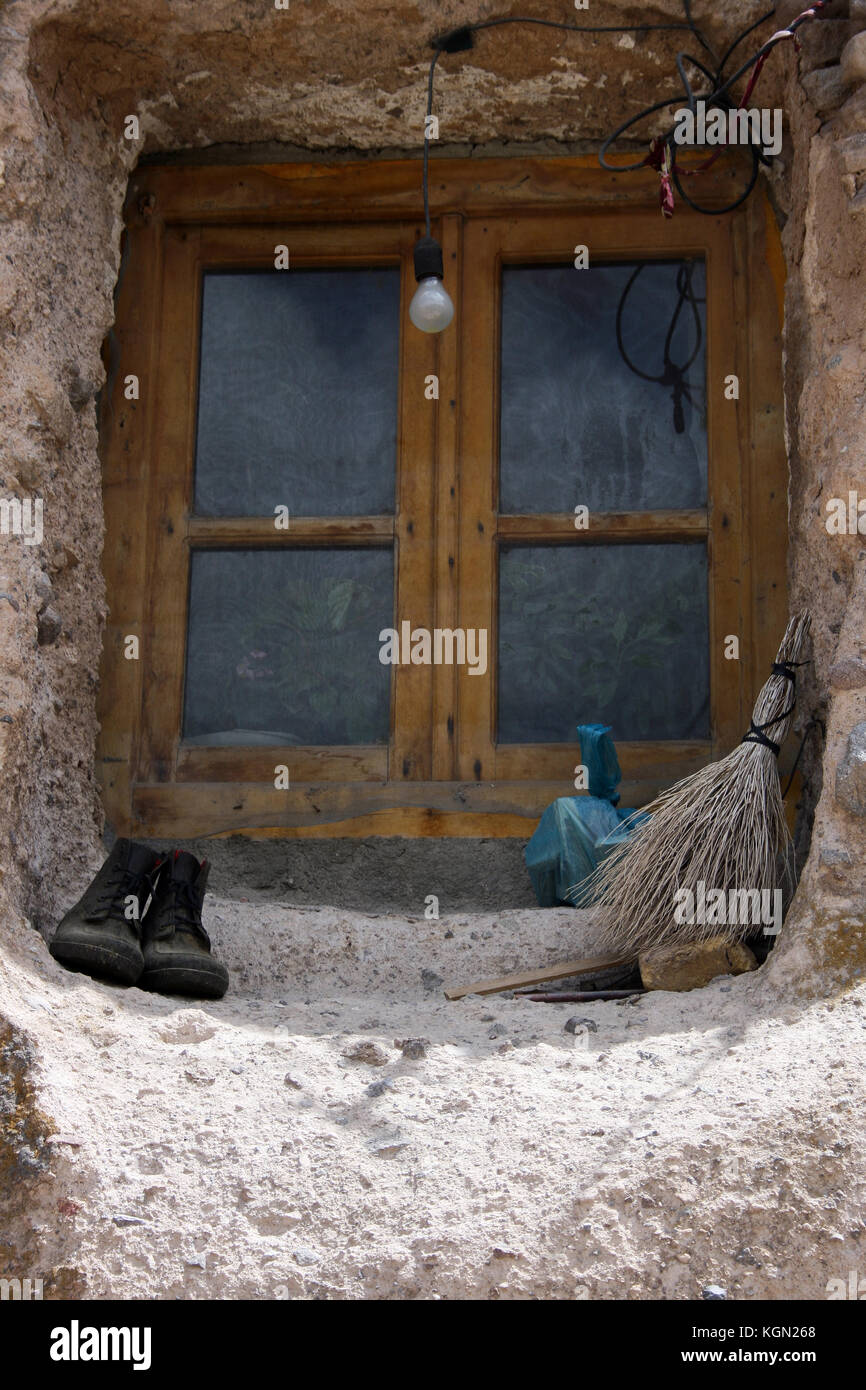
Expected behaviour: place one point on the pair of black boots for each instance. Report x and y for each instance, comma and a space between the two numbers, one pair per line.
139, 923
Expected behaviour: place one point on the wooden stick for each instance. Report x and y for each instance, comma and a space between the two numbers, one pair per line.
537, 977
585, 997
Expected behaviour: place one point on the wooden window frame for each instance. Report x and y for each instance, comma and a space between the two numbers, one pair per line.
189, 254
443, 772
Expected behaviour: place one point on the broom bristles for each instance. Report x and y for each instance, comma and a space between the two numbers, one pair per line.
722, 827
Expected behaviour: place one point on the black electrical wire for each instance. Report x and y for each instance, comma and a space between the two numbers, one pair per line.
673, 374
814, 723
740, 37
718, 90
425, 179
718, 96
696, 31
461, 40
578, 28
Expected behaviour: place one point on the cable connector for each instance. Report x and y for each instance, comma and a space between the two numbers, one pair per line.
455, 41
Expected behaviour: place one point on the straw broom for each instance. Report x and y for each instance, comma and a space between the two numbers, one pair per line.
724, 826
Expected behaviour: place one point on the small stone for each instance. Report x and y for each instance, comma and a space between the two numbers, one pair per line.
304, 1256
389, 1150
853, 60
290, 1081
714, 1292
851, 773
81, 390
825, 89
692, 964
430, 980
370, 1053
413, 1049
583, 1025
744, 1256
43, 589
189, 1026
49, 626
849, 673
378, 1088
128, 1220
199, 1077
852, 153
497, 1031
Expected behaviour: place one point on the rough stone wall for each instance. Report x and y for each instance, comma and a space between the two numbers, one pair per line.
350, 76
825, 350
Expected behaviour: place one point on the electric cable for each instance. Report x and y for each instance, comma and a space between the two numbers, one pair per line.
461, 40
673, 374
814, 723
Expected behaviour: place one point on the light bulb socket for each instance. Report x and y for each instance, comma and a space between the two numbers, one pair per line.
428, 259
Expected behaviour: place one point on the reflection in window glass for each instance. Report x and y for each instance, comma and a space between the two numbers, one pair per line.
283, 647
613, 634
577, 426
297, 397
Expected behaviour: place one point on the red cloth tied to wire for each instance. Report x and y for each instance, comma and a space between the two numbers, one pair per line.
659, 159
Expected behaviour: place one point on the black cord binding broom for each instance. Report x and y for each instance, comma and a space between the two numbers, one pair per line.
724, 827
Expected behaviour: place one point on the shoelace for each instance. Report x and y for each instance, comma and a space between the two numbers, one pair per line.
125, 883
185, 908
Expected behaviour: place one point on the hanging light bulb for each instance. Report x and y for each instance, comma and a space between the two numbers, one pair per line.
431, 309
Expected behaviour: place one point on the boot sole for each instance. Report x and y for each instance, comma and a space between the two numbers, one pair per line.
181, 979
100, 962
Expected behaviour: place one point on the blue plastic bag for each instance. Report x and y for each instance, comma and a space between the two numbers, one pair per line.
576, 831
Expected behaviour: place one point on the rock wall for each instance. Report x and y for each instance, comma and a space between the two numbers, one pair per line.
824, 943
350, 77
346, 77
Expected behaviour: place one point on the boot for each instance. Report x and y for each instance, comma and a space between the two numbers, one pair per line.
101, 934
177, 958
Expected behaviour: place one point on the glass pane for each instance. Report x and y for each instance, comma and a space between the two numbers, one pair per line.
613, 634
297, 401
283, 646
577, 426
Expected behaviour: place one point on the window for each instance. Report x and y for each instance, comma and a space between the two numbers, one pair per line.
586, 470
297, 417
